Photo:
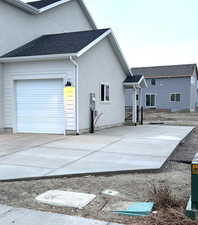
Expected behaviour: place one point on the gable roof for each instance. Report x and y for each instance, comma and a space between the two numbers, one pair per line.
59, 46
133, 79
44, 5
137, 81
64, 43
165, 71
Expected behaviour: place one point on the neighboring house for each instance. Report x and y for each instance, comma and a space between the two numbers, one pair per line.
53, 59
171, 88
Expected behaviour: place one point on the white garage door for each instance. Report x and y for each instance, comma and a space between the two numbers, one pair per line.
40, 106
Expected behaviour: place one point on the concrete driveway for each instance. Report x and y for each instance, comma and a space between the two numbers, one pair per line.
21, 216
112, 150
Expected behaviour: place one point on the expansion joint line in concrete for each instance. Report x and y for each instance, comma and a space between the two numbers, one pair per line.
76, 160
24, 150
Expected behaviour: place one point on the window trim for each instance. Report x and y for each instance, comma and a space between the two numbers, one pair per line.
105, 101
175, 93
151, 107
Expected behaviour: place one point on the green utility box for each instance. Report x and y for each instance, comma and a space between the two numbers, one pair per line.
192, 207
194, 182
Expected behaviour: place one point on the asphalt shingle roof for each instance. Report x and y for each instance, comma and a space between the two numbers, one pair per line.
64, 43
133, 79
42, 3
165, 71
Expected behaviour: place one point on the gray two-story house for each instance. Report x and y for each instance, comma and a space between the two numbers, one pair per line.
171, 88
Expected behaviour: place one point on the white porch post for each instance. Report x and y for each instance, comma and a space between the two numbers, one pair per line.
140, 98
134, 117
140, 105
1, 98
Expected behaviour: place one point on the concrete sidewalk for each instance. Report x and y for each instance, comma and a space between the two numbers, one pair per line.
121, 149
20, 216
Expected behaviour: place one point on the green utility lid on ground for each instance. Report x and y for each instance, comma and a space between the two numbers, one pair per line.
137, 209
192, 206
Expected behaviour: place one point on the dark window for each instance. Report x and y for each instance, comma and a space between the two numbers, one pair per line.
147, 100
153, 82
175, 97
172, 97
137, 97
102, 92
178, 97
150, 100
105, 93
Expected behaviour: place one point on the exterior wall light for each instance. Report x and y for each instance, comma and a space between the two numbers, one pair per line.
68, 84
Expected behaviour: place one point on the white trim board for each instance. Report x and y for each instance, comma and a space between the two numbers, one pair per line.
108, 34
93, 43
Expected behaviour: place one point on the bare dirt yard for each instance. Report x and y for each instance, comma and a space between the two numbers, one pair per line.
131, 187
174, 118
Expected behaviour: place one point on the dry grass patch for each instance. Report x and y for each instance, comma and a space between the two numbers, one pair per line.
170, 210
169, 216
163, 198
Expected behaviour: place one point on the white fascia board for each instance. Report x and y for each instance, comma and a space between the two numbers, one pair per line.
24, 6
144, 81
88, 14
36, 58
101, 37
119, 53
131, 85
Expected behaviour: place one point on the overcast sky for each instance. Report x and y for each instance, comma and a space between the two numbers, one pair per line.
151, 32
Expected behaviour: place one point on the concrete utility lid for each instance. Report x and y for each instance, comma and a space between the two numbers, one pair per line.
65, 199
110, 192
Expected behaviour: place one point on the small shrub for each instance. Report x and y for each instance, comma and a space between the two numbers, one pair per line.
163, 197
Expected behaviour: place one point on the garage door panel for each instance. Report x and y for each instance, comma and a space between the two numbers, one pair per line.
40, 119
42, 96
40, 106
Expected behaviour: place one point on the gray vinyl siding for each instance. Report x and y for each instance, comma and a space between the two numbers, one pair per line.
18, 27
1, 96
163, 88
25, 27
99, 65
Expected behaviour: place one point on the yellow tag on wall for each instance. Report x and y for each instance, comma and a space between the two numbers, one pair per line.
69, 92
70, 108
195, 169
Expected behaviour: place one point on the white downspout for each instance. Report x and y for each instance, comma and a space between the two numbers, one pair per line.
77, 93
